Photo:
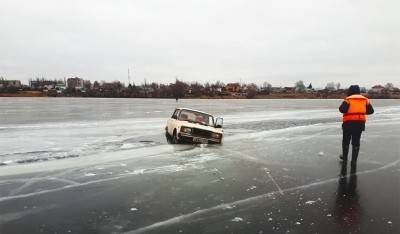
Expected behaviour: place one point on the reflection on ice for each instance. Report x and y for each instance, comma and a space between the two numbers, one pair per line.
347, 206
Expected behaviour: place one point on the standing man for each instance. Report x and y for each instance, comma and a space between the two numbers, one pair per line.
355, 107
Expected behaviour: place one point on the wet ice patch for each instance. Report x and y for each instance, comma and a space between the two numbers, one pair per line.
90, 174
321, 153
133, 209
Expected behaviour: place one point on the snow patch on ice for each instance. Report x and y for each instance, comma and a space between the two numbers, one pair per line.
131, 145
138, 171
229, 207
251, 188
90, 174
6, 162
134, 209
237, 219
310, 202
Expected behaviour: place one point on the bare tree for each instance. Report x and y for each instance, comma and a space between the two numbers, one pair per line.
252, 90
299, 86
389, 86
178, 89
330, 86
266, 87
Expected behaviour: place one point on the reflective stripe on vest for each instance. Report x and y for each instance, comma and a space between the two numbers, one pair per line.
357, 108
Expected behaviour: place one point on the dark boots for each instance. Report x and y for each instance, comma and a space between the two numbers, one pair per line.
345, 152
354, 154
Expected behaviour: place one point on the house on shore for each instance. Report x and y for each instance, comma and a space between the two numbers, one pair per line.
233, 88
377, 89
42, 84
10, 83
75, 83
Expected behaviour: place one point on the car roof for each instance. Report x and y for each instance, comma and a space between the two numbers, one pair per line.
182, 108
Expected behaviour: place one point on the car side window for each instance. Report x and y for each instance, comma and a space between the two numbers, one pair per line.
175, 114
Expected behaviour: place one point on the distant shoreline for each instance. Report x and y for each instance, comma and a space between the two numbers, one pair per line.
259, 96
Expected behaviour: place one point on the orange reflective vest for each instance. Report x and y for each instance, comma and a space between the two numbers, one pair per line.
357, 108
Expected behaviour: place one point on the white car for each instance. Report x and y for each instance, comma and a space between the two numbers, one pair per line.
192, 126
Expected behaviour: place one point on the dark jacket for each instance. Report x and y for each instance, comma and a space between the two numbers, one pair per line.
354, 125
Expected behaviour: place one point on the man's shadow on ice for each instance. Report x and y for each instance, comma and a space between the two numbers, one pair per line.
347, 206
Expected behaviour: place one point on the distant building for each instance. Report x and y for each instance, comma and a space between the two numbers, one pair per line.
146, 90
377, 89
289, 89
42, 84
10, 83
233, 87
308, 90
75, 83
277, 90
107, 86
60, 87
396, 91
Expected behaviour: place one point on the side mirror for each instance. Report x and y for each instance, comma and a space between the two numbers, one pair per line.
219, 122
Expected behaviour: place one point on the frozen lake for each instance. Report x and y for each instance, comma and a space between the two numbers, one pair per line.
72, 165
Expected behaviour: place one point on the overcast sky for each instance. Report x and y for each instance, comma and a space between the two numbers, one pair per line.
282, 41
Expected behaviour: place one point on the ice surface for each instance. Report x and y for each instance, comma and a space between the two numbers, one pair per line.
114, 150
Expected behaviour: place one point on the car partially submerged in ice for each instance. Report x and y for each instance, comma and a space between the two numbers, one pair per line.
192, 126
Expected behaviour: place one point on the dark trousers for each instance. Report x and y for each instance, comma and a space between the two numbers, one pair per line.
354, 136
352, 132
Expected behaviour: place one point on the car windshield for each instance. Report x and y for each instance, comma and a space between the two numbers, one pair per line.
196, 117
